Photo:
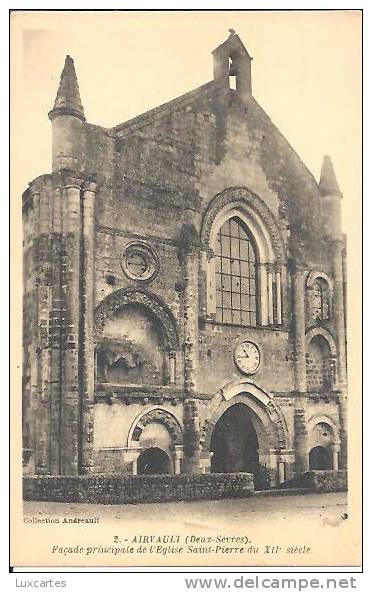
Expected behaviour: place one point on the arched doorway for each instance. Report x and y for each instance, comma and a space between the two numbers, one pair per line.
320, 459
234, 442
153, 461
255, 422
323, 444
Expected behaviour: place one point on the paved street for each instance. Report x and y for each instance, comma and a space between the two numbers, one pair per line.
323, 509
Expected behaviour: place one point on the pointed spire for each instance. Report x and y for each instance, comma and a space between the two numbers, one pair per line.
68, 101
328, 184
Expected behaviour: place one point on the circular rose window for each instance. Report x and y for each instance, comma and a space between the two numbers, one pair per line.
139, 262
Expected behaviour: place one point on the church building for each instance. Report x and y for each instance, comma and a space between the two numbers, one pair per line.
184, 292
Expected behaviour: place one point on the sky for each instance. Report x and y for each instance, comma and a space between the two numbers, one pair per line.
306, 75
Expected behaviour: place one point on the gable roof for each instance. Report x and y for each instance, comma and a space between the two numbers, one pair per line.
232, 43
163, 110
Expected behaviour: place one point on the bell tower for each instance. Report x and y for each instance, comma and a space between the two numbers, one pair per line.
232, 65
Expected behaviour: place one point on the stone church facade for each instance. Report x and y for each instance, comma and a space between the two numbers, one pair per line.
184, 292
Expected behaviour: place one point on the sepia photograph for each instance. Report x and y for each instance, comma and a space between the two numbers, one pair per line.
186, 223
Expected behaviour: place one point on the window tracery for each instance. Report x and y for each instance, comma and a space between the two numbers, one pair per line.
236, 274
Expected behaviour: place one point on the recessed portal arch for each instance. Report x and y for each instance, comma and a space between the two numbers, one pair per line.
235, 442
262, 434
260, 402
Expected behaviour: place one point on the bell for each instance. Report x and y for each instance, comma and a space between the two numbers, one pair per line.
232, 70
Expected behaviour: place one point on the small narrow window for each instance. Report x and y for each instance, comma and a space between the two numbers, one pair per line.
320, 301
317, 302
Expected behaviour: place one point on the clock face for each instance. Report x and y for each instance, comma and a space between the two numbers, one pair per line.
247, 357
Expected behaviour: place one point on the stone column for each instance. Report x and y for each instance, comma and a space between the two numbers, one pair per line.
338, 311
33, 355
43, 310
56, 326
335, 451
270, 299
339, 320
281, 472
29, 362
278, 293
342, 410
177, 457
209, 268
263, 287
87, 328
191, 462
300, 427
172, 367
190, 317
71, 396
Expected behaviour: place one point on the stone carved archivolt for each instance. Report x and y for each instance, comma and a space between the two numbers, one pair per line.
112, 303
314, 275
324, 423
323, 333
276, 417
277, 435
161, 416
249, 199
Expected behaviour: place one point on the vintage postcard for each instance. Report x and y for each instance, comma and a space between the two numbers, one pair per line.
186, 309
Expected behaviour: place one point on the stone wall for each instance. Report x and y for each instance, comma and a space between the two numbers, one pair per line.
322, 481
118, 489
216, 362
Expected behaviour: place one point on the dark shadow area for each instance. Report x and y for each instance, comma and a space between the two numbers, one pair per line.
320, 459
234, 442
153, 461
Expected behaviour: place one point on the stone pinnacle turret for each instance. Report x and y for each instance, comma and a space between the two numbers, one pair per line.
68, 101
328, 184
330, 199
68, 122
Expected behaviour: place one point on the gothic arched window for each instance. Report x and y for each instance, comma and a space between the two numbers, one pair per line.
236, 281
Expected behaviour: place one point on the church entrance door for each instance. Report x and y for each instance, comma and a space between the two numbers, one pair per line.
234, 442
